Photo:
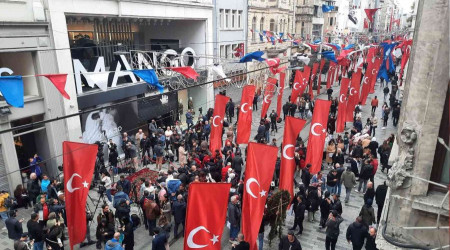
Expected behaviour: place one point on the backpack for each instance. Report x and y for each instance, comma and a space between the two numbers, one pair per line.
10, 202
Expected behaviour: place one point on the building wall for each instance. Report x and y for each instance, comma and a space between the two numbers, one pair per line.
413, 202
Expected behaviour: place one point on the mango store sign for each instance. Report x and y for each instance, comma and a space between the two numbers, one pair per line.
121, 67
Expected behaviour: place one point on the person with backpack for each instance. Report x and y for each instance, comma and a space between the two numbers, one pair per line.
364, 175
332, 231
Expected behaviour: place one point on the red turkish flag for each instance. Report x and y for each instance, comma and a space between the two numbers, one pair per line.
296, 86
365, 89
187, 71
244, 125
205, 215
366, 23
319, 81
273, 62
406, 53
370, 13
330, 74
376, 68
59, 80
292, 127
311, 79
317, 134
259, 170
342, 105
79, 162
280, 93
269, 91
353, 97
217, 123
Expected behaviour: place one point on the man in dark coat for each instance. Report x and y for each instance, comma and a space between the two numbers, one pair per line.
242, 244
230, 110
125, 184
306, 176
292, 109
357, 233
289, 242
332, 232
299, 215
236, 164
370, 192
179, 214
14, 226
234, 217
159, 239
286, 109
34, 188
36, 231
380, 197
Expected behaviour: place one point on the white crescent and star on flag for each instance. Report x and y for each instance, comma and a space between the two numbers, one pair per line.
190, 238
70, 187
313, 129
251, 180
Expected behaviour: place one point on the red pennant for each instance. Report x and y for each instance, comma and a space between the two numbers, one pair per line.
370, 13
319, 82
280, 93
273, 62
259, 170
317, 134
330, 74
217, 123
311, 79
353, 95
307, 74
342, 105
244, 125
292, 128
268, 95
365, 89
59, 80
187, 72
299, 85
366, 23
79, 162
314, 47
206, 215
406, 53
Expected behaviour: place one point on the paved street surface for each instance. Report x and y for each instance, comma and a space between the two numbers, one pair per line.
312, 238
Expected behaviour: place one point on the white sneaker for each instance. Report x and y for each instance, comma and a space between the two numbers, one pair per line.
383, 128
356, 190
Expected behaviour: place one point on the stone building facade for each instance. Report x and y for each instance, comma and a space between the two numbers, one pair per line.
416, 210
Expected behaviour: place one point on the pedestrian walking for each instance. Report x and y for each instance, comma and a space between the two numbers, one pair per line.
367, 214
289, 242
380, 197
374, 104
332, 231
356, 234
299, 212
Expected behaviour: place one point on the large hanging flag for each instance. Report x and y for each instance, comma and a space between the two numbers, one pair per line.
59, 80
342, 105
370, 13
12, 90
79, 163
206, 215
244, 125
330, 74
327, 8
353, 95
292, 127
387, 64
260, 166
314, 75
317, 134
406, 49
187, 71
365, 88
319, 81
377, 66
217, 123
273, 62
306, 73
257, 55
149, 76
268, 95
329, 55
280, 93
299, 86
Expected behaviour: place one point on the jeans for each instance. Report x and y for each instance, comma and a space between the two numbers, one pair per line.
361, 181
234, 230
108, 194
273, 126
332, 190
347, 193
151, 226
385, 120
330, 244
373, 109
338, 187
260, 241
38, 245
372, 130
175, 229
267, 136
394, 121
4, 215
379, 211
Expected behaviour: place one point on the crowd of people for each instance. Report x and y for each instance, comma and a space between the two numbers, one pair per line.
351, 159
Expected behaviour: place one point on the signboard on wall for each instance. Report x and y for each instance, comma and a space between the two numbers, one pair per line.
159, 105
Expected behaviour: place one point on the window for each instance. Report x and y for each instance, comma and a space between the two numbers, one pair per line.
254, 29
240, 20
227, 19
229, 51
331, 21
261, 25
221, 18
302, 29
222, 51
304, 2
233, 20
272, 25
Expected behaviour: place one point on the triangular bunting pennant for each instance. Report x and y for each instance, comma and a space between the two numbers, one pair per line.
12, 90
149, 76
187, 72
59, 80
97, 78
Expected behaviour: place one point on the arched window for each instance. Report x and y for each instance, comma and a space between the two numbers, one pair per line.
254, 29
272, 26
261, 25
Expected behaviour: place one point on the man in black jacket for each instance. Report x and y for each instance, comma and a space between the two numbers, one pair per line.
286, 109
380, 197
357, 233
242, 244
332, 232
289, 242
14, 226
179, 214
234, 217
34, 188
299, 215
36, 232
236, 164
306, 175
273, 121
